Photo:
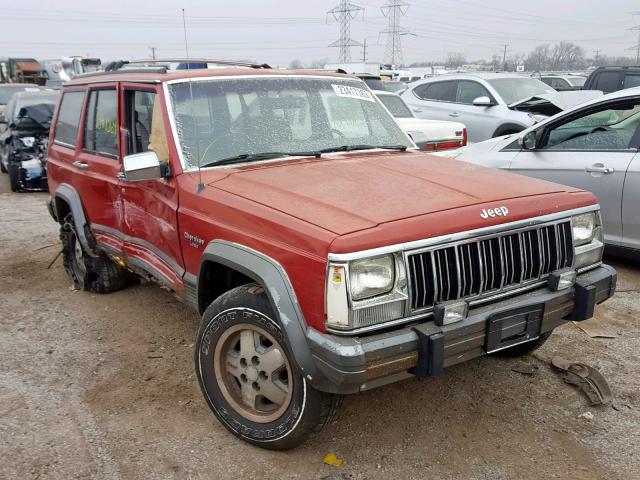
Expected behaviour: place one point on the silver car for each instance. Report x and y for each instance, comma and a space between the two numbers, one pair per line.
593, 146
480, 100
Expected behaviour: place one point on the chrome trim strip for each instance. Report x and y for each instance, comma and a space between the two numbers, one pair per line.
454, 237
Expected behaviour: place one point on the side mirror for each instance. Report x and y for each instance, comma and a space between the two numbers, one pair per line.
529, 140
141, 166
483, 102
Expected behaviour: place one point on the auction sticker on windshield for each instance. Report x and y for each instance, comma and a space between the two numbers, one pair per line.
353, 92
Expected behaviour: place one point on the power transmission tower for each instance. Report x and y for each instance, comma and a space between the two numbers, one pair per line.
153, 52
394, 10
636, 47
343, 13
504, 57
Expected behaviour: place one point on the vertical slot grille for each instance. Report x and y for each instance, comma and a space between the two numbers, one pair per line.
488, 265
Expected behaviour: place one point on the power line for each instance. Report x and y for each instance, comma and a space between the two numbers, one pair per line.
343, 13
394, 10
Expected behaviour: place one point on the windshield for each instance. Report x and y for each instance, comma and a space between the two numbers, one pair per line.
225, 118
577, 81
396, 106
513, 89
7, 92
35, 99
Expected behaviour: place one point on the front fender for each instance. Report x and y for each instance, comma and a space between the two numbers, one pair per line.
66, 193
274, 279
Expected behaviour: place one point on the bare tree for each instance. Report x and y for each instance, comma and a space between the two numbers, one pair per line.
455, 59
296, 64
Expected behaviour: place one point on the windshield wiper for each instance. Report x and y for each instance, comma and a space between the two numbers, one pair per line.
350, 148
254, 157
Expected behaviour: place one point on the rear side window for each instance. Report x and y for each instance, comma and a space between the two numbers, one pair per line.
69, 118
101, 125
607, 82
441, 91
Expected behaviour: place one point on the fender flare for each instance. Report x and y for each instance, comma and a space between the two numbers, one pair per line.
507, 127
273, 278
71, 196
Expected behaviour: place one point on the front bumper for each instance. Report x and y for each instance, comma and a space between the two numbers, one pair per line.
353, 364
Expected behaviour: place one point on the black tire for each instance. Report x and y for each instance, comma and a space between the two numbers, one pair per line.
95, 274
306, 410
524, 348
14, 178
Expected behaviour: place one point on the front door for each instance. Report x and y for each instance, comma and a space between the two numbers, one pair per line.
591, 150
149, 207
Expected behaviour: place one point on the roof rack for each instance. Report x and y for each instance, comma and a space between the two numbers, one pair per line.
160, 65
230, 63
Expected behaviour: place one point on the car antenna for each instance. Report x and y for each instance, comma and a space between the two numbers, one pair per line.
200, 186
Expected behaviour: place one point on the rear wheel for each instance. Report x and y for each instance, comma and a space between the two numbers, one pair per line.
247, 375
96, 274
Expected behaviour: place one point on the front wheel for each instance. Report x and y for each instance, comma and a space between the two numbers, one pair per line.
248, 377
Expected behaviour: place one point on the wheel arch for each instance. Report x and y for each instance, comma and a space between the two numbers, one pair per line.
66, 199
246, 263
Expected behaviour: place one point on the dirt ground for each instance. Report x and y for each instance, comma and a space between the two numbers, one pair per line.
96, 386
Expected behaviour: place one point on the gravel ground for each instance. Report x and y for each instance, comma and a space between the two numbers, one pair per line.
95, 386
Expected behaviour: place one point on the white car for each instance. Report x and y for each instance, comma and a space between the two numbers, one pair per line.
593, 146
429, 135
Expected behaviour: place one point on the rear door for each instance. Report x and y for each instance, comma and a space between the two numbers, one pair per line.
592, 150
631, 206
433, 100
97, 163
149, 208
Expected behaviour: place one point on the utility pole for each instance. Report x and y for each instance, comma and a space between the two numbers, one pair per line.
153, 52
394, 10
364, 51
596, 57
636, 47
343, 13
504, 57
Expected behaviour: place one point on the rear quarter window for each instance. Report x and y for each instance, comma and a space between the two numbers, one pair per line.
439, 91
66, 130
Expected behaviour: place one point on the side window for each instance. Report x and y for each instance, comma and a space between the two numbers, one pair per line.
145, 125
468, 91
631, 80
548, 80
608, 129
101, 124
607, 82
441, 91
69, 118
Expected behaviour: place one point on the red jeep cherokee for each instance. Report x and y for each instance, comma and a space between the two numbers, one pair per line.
326, 255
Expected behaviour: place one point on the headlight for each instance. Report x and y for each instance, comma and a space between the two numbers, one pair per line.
537, 118
584, 228
371, 276
588, 245
28, 141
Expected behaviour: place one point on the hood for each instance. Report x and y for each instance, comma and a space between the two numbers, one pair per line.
39, 114
552, 103
432, 130
347, 193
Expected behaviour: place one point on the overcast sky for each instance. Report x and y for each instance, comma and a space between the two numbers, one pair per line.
278, 31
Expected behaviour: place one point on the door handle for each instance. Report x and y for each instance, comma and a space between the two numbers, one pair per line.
599, 168
454, 114
80, 165
417, 110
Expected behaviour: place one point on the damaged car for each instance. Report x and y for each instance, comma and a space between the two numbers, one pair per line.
482, 101
23, 143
